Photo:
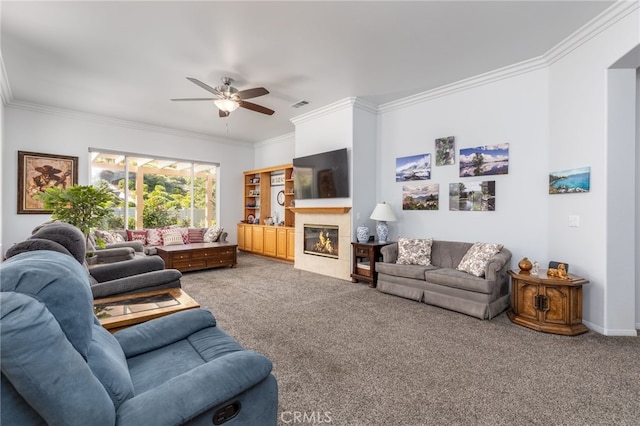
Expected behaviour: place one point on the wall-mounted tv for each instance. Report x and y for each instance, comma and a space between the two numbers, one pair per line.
324, 175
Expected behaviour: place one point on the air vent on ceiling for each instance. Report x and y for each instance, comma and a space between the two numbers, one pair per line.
300, 104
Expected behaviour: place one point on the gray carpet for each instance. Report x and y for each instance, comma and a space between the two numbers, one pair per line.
345, 354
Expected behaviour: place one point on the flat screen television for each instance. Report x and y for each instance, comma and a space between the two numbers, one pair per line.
324, 175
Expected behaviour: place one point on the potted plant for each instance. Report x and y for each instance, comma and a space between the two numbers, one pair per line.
83, 206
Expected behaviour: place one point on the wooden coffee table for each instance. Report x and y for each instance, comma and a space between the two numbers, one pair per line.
116, 313
196, 256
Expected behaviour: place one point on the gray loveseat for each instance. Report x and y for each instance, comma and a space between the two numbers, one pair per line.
441, 284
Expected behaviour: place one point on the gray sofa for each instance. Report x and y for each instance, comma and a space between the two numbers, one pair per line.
441, 284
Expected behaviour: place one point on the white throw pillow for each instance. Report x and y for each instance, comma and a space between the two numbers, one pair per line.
414, 251
171, 237
475, 260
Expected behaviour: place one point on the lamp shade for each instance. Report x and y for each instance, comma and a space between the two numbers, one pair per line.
226, 105
383, 213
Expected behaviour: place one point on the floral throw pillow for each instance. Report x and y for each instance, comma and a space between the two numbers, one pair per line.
171, 237
475, 260
212, 234
414, 251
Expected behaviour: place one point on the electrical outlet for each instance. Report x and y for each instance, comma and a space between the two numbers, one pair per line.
358, 216
574, 221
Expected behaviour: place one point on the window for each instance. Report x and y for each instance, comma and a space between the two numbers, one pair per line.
156, 192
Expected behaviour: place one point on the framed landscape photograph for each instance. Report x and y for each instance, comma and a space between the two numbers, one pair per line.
37, 172
484, 160
415, 167
477, 196
421, 197
572, 181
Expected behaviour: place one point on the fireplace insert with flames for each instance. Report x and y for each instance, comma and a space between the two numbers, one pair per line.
321, 240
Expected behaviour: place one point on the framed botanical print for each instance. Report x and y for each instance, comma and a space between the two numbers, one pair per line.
37, 172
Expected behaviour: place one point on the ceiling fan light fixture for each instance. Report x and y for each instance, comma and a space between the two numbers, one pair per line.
226, 105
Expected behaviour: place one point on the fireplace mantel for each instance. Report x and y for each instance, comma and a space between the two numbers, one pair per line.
321, 210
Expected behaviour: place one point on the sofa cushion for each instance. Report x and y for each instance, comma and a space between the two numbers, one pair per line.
196, 235
212, 234
171, 237
108, 363
406, 271
458, 279
414, 251
137, 236
475, 260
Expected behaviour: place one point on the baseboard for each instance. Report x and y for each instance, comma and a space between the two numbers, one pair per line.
610, 332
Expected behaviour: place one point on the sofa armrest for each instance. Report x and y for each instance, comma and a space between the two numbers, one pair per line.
137, 246
498, 265
389, 253
163, 331
154, 280
192, 393
116, 254
223, 237
127, 268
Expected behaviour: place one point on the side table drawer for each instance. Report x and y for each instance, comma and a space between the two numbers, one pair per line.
363, 252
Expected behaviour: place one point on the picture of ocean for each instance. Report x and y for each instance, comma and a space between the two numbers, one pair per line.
570, 181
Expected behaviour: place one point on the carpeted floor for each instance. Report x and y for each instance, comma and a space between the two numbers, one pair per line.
345, 354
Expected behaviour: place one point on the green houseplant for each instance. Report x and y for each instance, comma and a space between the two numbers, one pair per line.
83, 206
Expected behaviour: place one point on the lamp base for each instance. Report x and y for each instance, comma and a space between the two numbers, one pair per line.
383, 231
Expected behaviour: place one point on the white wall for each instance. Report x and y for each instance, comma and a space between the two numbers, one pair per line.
637, 221
58, 132
513, 111
578, 137
274, 152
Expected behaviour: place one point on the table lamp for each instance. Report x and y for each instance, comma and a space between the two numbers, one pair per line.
383, 214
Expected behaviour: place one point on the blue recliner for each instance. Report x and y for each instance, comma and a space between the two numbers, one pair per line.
60, 367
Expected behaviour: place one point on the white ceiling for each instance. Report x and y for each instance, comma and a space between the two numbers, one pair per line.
125, 60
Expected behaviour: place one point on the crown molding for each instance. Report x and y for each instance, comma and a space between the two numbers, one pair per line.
101, 119
325, 110
606, 19
466, 84
5, 88
276, 139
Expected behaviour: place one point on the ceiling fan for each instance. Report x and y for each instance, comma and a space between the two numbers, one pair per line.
228, 98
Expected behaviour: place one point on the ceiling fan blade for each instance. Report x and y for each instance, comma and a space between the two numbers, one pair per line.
252, 93
223, 114
204, 86
194, 99
256, 107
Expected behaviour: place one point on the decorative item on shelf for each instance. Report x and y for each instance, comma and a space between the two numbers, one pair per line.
560, 272
251, 218
525, 266
383, 214
268, 221
362, 233
535, 269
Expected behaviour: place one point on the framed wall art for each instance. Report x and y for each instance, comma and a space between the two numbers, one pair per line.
445, 151
572, 181
484, 160
415, 167
37, 172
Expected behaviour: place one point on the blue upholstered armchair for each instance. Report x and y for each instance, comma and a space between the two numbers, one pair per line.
59, 366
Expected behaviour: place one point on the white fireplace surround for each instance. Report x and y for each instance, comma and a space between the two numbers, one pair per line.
337, 216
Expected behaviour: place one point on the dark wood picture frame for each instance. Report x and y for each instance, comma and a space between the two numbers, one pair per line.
37, 172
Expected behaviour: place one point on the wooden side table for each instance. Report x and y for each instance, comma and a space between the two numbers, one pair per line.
547, 304
365, 256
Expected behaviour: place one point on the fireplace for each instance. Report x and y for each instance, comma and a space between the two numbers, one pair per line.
321, 240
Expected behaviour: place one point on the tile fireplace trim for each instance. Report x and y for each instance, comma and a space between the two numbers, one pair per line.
321, 210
